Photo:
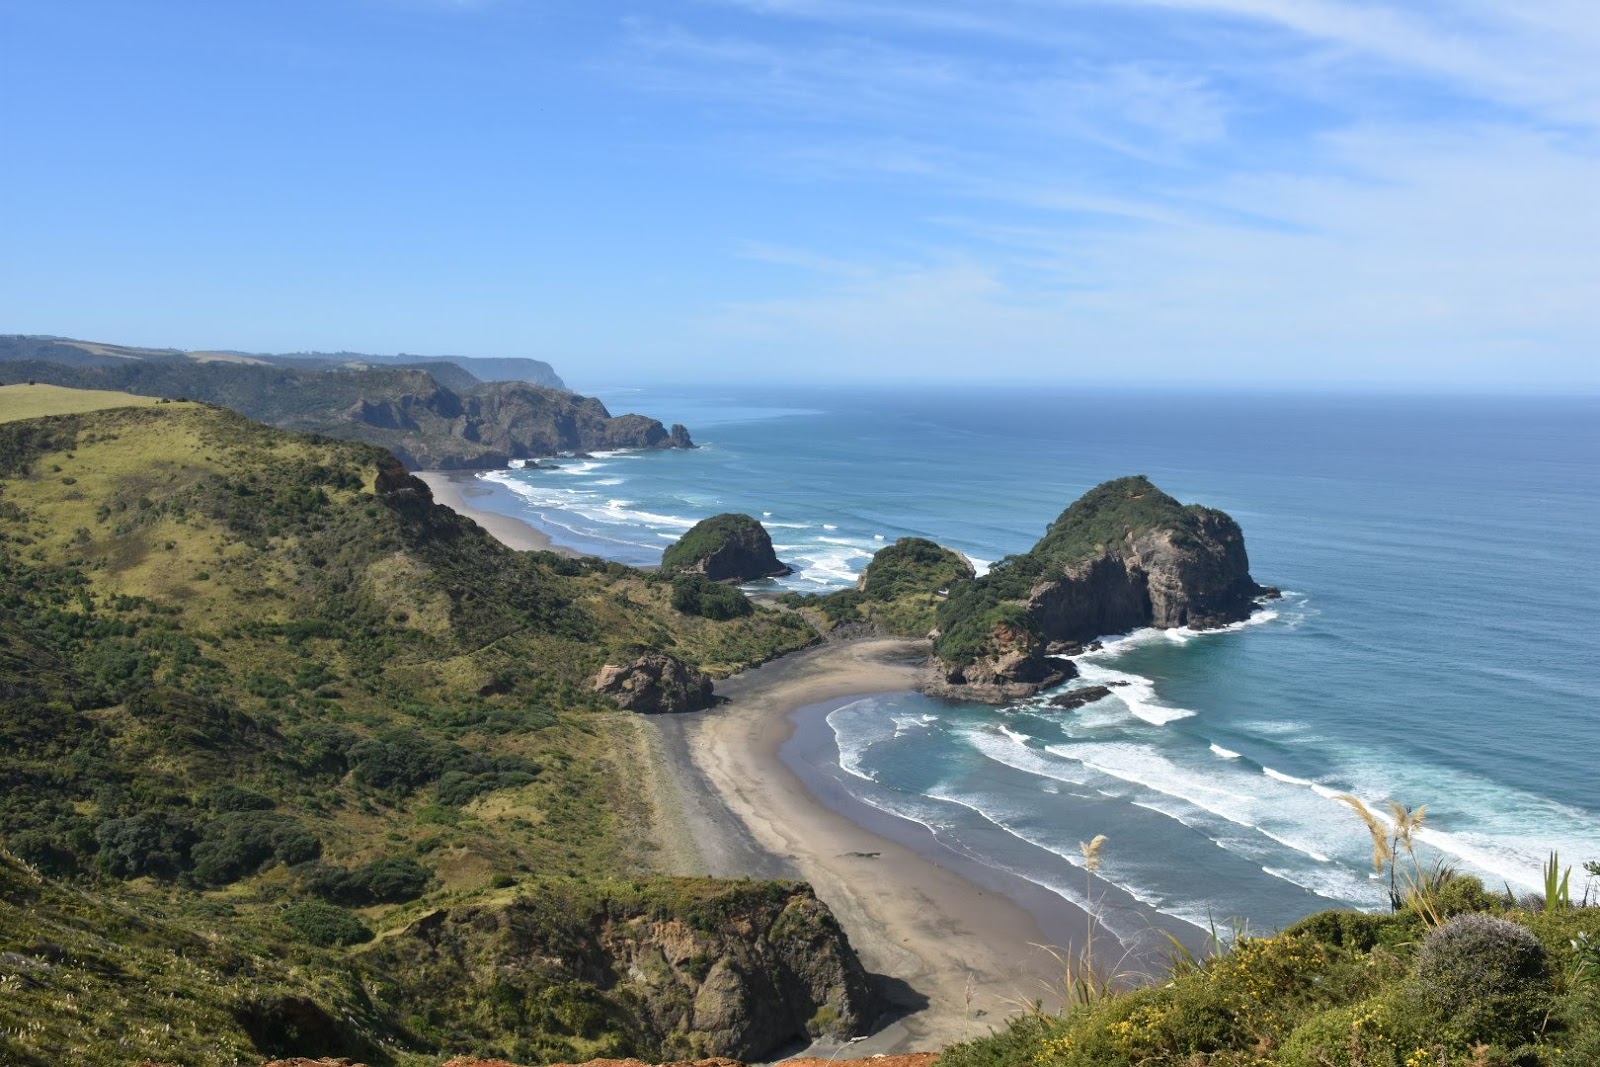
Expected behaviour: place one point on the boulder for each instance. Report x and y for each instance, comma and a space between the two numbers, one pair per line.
657, 683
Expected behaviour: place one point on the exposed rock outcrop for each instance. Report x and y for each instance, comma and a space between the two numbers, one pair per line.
1124, 556
1074, 699
734, 969
725, 548
1013, 665
657, 683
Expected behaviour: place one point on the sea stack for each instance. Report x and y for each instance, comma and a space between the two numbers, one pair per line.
725, 548
1124, 556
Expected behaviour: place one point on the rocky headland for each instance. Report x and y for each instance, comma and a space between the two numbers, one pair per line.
1123, 556
433, 415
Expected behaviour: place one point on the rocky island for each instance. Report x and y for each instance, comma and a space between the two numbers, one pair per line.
725, 548
1123, 556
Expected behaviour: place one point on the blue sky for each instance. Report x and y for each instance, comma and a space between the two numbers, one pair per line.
1268, 192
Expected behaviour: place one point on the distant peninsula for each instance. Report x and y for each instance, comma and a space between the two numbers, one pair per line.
433, 413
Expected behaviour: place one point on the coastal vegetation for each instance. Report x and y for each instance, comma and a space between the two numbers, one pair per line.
899, 592
1467, 978
270, 712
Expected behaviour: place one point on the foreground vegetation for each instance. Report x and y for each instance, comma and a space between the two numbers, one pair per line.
1456, 977
267, 706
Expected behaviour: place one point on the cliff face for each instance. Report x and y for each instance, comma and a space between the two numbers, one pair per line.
436, 417
725, 548
1124, 556
739, 974
1159, 578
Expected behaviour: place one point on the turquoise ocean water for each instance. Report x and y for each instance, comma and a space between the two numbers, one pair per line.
1437, 644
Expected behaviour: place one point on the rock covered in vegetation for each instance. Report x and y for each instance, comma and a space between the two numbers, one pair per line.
725, 548
1012, 665
657, 683
682, 966
913, 565
1124, 556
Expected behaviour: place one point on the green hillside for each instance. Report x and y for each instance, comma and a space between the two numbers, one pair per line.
24, 401
267, 704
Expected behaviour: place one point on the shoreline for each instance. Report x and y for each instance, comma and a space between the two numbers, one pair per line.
956, 946
456, 489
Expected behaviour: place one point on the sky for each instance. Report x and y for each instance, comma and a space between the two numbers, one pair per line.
1268, 193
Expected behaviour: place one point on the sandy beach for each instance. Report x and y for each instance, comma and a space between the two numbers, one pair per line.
955, 949
456, 491
959, 956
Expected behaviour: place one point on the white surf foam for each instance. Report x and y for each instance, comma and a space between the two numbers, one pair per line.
1136, 692
1225, 753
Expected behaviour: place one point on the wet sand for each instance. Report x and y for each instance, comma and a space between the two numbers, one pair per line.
960, 953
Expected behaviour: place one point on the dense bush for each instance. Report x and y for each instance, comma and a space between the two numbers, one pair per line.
913, 565
398, 760
241, 843
391, 880
325, 924
1489, 976
695, 594
228, 797
149, 843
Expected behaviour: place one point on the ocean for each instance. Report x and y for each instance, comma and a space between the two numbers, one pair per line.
1436, 643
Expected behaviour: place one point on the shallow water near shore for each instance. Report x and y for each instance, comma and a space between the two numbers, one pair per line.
1436, 645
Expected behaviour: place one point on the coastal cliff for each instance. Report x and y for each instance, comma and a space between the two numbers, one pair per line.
689, 967
433, 415
1123, 556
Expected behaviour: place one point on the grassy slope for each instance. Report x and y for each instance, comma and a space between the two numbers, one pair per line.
191, 603
23, 401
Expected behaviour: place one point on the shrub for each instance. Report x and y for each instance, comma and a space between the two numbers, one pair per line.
1463, 895
1490, 977
143, 844
391, 880
400, 760
695, 594
913, 565
45, 851
324, 924
242, 843
228, 797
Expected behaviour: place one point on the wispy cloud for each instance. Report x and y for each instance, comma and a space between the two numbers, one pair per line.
1376, 189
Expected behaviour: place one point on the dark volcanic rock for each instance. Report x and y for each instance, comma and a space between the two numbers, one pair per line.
725, 548
1124, 556
1077, 698
1015, 667
656, 683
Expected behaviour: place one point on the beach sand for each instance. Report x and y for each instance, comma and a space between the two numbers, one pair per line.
456, 490
954, 948
958, 956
